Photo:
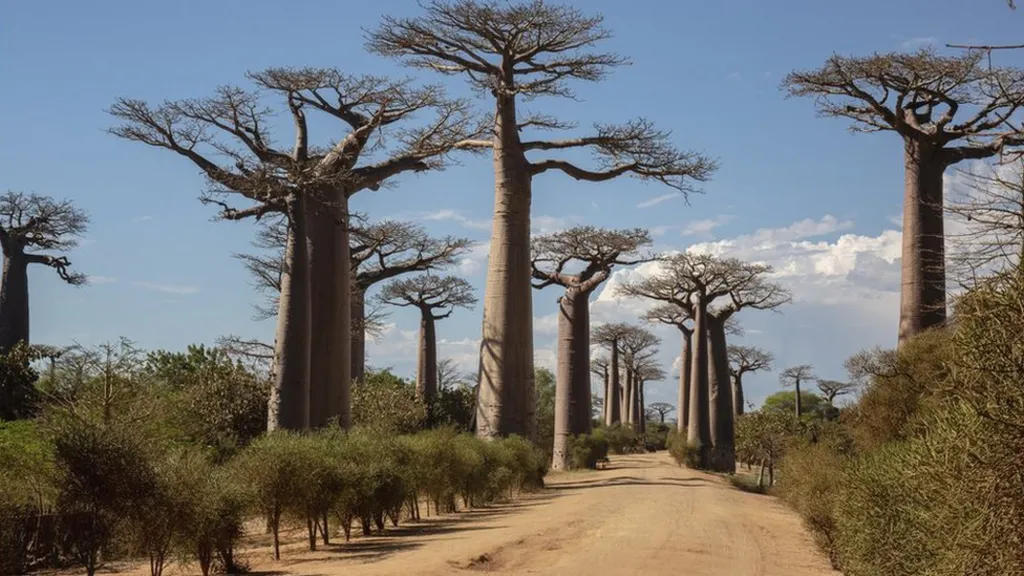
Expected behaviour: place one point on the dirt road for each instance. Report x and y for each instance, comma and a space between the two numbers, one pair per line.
643, 515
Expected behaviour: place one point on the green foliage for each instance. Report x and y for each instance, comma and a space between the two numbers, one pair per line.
811, 404
622, 439
26, 491
586, 449
455, 407
656, 436
18, 395
544, 386
214, 402
387, 403
810, 475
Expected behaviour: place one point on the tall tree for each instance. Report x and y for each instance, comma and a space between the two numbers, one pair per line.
429, 294
680, 317
517, 51
691, 282
610, 336
795, 376
990, 214
946, 109
598, 251
647, 371
639, 347
599, 367
30, 223
748, 289
228, 137
662, 409
385, 250
832, 389
743, 360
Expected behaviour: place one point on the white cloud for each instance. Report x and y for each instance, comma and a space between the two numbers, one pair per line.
706, 227
917, 42
97, 280
168, 288
455, 216
658, 200
474, 260
548, 224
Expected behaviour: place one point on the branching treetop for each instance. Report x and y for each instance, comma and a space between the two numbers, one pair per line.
830, 389
638, 345
743, 359
672, 315
531, 48
611, 333
748, 288
992, 216
649, 371
599, 249
228, 135
33, 222
429, 293
796, 374
599, 365
383, 250
922, 96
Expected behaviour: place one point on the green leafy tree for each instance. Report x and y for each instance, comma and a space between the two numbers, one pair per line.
387, 403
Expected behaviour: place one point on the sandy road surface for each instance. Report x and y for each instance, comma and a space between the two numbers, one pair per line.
643, 515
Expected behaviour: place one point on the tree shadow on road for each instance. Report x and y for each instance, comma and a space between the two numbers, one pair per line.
635, 481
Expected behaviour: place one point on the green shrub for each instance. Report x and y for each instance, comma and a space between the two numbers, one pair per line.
656, 436
683, 452
387, 403
27, 491
809, 479
586, 449
622, 439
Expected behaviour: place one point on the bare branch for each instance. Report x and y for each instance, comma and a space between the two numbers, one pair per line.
599, 250
744, 359
429, 293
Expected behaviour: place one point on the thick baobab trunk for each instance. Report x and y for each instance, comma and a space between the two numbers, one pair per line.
358, 319
14, 301
505, 400
607, 394
628, 404
723, 431
289, 399
641, 407
685, 367
426, 366
797, 399
737, 395
330, 328
572, 378
581, 418
698, 432
923, 283
612, 400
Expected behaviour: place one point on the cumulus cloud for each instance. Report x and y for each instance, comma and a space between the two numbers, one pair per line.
705, 227
448, 214
167, 288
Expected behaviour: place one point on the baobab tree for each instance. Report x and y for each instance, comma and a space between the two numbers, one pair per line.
385, 250
795, 376
228, 137
599, 367
598, 251
515, 52
946, 109
744, 360
990, 214
610, 336
662, 409
30, 226
680, 317
832, 389
690, 282
638, 347
748, 289
428, 294
647, 371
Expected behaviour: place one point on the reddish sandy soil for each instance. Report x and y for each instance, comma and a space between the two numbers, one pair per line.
642, 515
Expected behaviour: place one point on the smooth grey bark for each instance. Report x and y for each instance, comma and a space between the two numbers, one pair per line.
723, 431
505, 398
923, 274
426, 365
685, 367
629, 401
699, 426
288, 407
737, 394
358, 318
607, 395
797, 400
572, 377
14, 306
642, 407
330, 313
614, 389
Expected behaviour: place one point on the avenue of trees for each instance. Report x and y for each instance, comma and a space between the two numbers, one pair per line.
911, 466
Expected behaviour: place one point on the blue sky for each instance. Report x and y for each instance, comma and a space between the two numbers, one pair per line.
823, 200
